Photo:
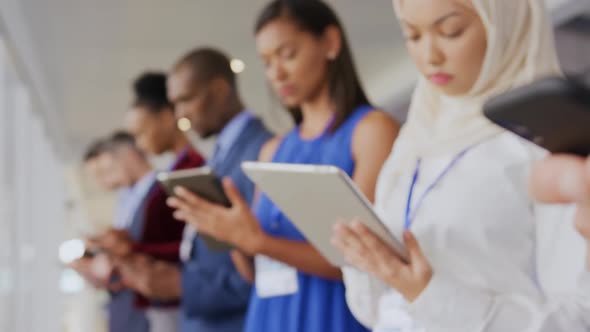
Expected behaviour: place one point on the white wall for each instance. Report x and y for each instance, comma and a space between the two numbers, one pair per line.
13, 25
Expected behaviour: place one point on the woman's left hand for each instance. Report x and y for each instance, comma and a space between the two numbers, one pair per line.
235, 225
367, 252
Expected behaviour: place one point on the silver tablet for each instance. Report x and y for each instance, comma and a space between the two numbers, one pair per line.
314, 198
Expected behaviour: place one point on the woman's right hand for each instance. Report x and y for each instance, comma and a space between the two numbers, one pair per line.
366, 251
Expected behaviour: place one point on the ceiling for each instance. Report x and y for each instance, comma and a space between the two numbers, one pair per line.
91, 50
88, 51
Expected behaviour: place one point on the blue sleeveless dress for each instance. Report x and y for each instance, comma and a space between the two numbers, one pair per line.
319, 305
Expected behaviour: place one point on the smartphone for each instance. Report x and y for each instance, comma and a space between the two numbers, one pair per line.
553, 113
204, 183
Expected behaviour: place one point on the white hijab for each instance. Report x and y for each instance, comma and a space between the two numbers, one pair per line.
520, 50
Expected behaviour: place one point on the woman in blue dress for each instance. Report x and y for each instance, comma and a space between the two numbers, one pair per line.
309, 65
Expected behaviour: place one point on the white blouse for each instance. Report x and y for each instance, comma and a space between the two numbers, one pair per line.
501, 261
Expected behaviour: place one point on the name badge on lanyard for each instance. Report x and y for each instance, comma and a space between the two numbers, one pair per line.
274, 278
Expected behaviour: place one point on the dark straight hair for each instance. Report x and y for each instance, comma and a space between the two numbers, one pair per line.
314, 16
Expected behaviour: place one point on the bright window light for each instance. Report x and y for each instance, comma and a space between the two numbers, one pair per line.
70, 282
71, 250
184, 124
237, 66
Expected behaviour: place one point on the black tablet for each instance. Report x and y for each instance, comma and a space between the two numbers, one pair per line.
553, 113
204, 183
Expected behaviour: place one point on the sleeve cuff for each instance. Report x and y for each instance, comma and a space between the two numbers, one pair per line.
448, 304
363, 294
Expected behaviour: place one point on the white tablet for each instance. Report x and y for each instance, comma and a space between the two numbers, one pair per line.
314, 198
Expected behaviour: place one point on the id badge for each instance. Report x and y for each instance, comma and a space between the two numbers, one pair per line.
274, 278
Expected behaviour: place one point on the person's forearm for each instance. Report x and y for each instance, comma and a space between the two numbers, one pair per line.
157, 286
167, 288
301, 255
244, 264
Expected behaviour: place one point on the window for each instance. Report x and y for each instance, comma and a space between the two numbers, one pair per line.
32, 210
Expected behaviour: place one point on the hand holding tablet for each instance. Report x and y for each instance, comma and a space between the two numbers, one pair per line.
204, 183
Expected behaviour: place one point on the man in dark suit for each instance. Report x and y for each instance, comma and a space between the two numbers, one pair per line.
203, 89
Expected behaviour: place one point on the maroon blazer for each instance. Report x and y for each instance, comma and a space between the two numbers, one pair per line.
162, 234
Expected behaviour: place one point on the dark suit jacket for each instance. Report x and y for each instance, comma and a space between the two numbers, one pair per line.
162, 234
215, 297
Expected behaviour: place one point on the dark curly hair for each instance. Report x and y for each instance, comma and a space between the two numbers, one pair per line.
150, 92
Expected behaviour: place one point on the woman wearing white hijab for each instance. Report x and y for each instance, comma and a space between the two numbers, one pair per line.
489, 257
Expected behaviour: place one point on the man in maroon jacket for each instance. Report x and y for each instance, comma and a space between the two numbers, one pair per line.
152, 122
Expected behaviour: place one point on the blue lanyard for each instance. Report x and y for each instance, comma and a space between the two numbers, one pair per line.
411, 215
